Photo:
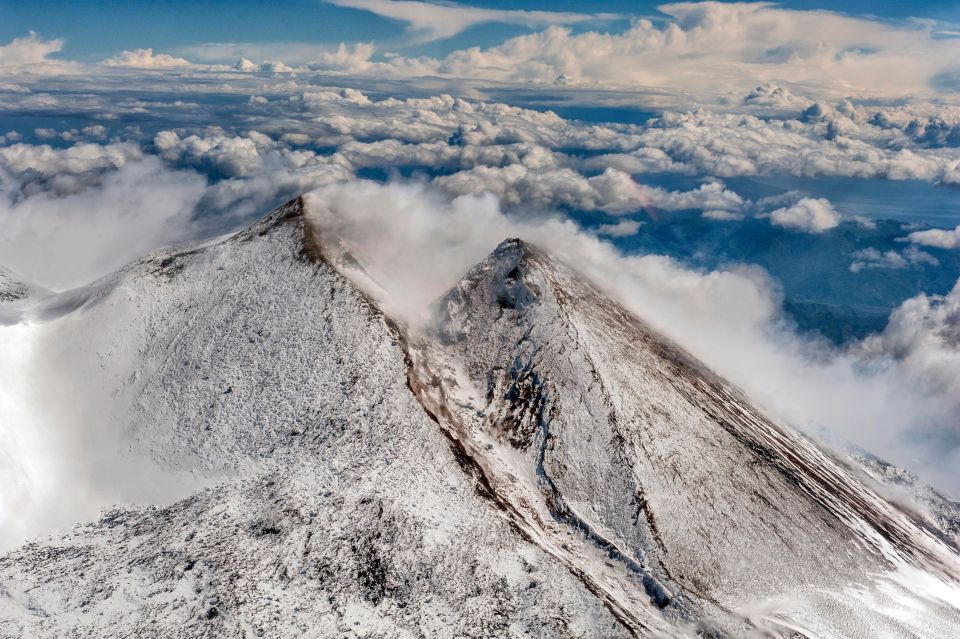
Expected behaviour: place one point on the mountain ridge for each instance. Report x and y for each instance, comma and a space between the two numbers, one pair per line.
586, 478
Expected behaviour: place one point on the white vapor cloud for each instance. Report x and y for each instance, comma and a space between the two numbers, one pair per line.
923, 336
65, 241
429, 21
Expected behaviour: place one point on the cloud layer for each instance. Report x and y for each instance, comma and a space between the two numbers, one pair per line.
705, 49
701, 48
530, 160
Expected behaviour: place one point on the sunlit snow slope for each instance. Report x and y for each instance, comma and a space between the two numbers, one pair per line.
534, 461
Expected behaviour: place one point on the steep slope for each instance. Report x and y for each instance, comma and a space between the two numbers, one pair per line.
640, 469
339, 510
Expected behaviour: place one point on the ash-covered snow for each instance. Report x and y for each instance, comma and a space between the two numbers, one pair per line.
534, 462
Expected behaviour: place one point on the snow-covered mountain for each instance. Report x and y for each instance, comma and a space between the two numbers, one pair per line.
15, 292
533, 461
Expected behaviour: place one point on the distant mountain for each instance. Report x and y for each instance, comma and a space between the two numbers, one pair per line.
535, 461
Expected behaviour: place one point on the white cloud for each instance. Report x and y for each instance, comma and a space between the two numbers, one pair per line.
938, 238
612, 191
29, 49
722, 215
922, 342
771, 95
924, 335
700, 51
9, 137
429, 21
872, 258
727, 144
28, 169
299, 56
623, 228
812, 215
642, 160
147, 59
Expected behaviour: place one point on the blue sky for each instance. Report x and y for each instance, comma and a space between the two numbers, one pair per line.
94, 30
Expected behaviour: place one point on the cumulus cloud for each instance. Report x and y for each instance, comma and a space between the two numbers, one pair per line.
923, 335
938, 238
470, 132
727, 144
771, 95
429, 21
872, 258
29, 49
707, 49
415, 242
813, 215
612, 191
623, 228
147, 59
27, 169
723, 215
283, 56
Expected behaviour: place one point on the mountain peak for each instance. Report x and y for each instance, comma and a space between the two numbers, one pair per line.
511, 245
605, 439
